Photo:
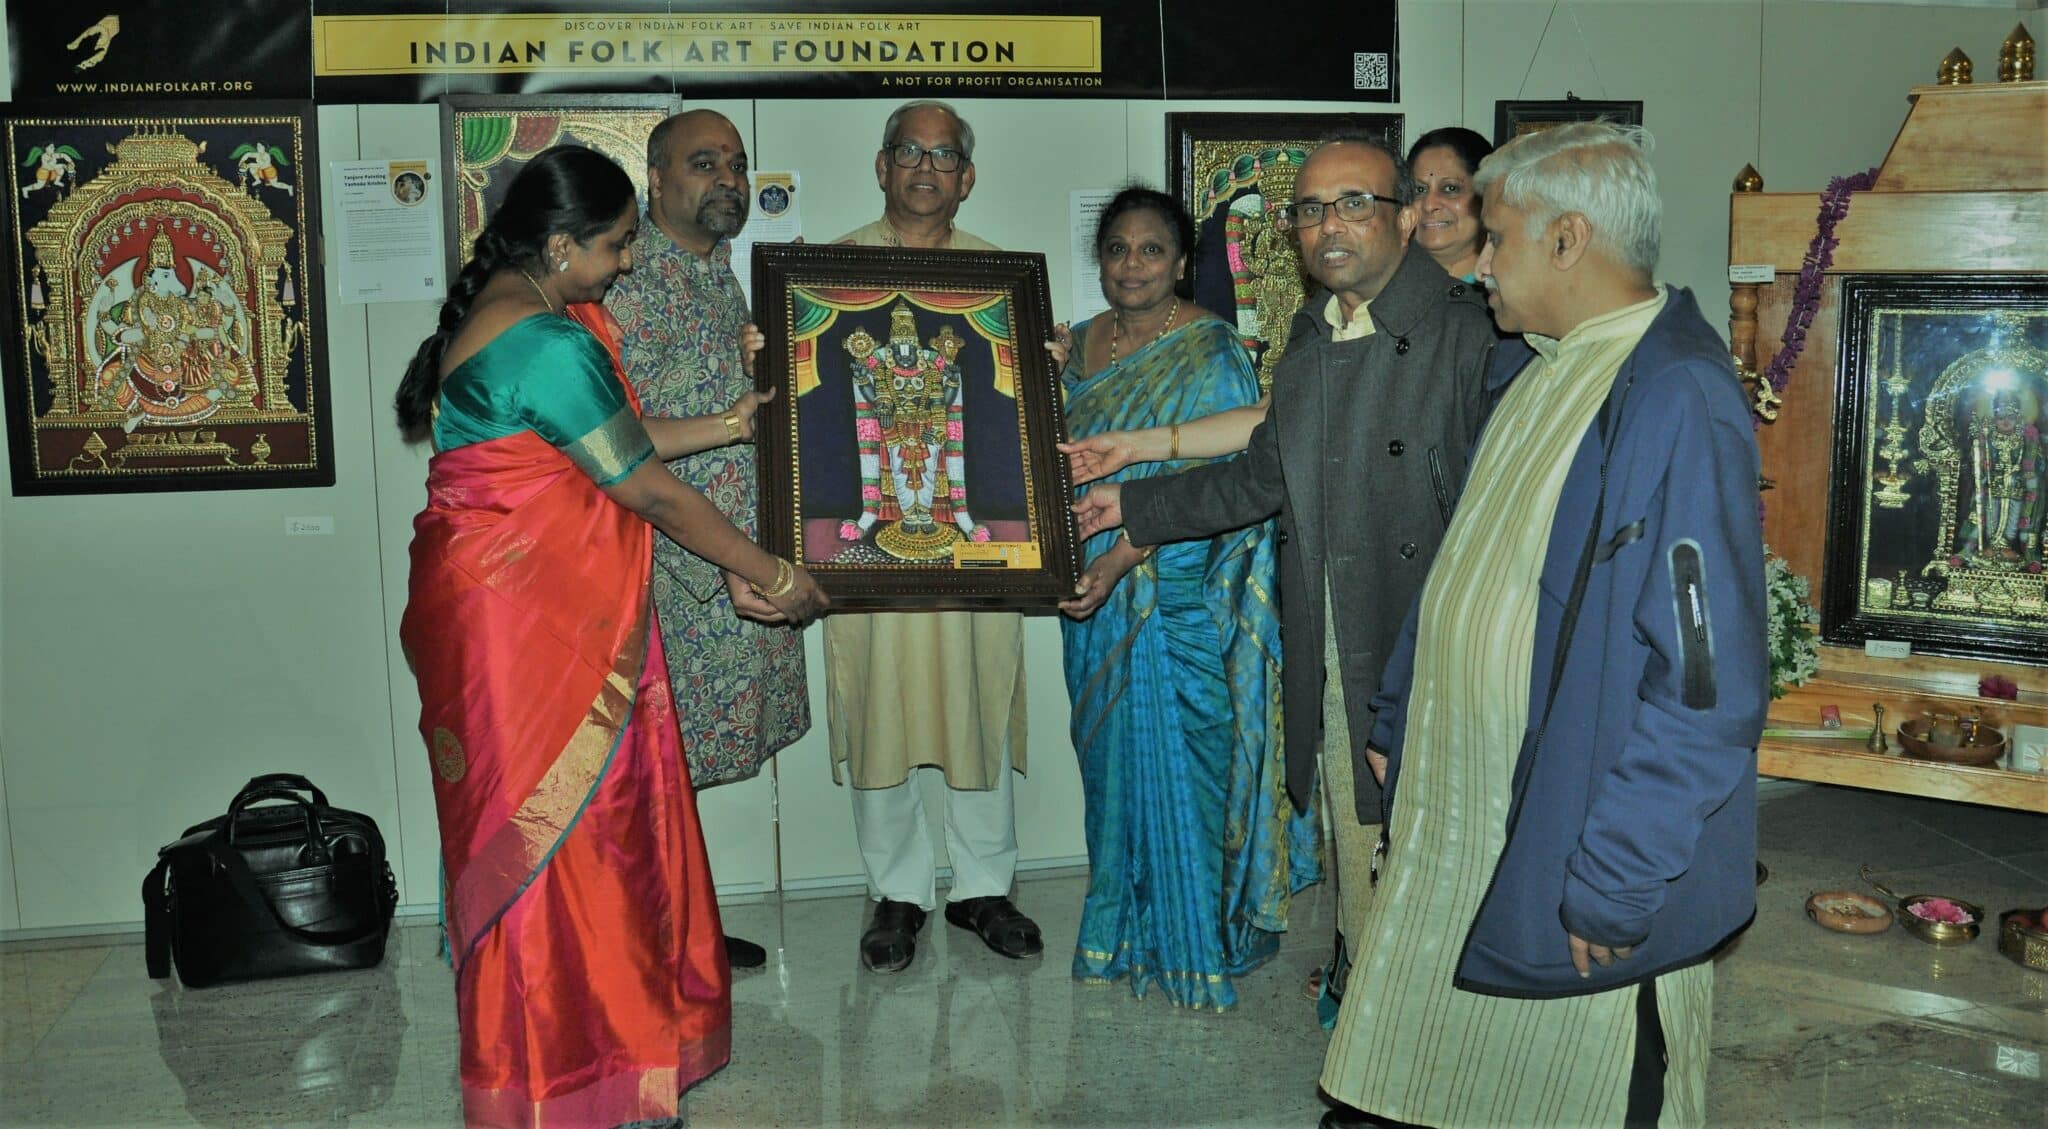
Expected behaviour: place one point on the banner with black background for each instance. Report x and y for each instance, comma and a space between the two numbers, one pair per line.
342, 51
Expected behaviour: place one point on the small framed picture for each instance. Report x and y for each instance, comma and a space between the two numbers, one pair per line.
1514, 119
908, 458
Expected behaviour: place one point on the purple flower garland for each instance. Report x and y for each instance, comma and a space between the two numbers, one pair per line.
1820, 254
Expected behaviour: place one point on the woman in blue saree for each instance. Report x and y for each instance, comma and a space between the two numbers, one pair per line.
1172, 659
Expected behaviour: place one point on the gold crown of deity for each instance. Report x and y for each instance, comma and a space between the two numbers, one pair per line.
902, 325
160, 252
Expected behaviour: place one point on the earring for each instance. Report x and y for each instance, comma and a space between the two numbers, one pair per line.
563, 264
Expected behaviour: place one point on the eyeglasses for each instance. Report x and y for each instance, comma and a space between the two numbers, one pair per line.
1355, 207
909, 155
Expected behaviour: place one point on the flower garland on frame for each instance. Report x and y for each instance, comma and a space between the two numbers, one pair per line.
1820, 255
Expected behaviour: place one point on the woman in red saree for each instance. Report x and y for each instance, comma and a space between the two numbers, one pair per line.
590, 971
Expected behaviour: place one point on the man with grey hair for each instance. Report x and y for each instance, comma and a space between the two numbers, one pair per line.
941, 690
688, 348
1361, 454
1569, 721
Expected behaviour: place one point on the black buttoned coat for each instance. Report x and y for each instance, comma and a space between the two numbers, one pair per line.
1362, 455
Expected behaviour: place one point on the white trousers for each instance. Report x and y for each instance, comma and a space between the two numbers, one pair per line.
896, 846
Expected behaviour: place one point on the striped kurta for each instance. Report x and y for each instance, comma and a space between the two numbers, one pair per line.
1408, 1045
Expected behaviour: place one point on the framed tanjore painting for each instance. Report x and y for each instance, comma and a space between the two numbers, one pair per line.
1512, 119
1937, 499
487, 138
164, 299
1233, 173
908, 458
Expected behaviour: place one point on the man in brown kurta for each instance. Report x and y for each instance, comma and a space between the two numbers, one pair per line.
942, 690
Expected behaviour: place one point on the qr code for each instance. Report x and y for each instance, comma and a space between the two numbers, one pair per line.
1369, 70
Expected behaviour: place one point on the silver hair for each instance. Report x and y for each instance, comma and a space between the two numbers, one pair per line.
895, 123
1600, 170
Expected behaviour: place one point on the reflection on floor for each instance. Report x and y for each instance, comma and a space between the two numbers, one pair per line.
1809, 1027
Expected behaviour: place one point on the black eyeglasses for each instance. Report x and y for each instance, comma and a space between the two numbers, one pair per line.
909, 155
1354, 207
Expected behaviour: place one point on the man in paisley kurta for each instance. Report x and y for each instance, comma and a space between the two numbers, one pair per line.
738, 685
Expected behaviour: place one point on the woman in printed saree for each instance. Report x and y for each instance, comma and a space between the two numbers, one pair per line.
1172, 660
590, 975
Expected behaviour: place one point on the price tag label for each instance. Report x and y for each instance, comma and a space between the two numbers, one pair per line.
1752, 272
995, 554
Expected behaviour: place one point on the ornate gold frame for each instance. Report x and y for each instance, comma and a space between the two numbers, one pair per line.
913, 561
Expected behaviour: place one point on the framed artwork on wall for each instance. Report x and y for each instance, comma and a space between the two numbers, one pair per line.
908, 457
1233, 173
1512, 119
1940, 459
487, 138
165, 298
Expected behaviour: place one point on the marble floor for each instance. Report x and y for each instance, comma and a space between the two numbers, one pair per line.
1810, 1028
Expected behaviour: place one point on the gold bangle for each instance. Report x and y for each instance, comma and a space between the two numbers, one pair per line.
785, 580
1144, 554
1173, 452
731, 420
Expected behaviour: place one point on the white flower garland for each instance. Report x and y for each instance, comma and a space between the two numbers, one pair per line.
1794, 645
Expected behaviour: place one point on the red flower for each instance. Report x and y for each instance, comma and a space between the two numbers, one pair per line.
1998, 686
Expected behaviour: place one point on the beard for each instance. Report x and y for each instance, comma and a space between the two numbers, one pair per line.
723, 213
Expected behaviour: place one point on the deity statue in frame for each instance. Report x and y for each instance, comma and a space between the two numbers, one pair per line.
908, 457
1940, 484
165, 300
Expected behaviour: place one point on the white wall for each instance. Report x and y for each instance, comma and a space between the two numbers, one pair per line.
156, 650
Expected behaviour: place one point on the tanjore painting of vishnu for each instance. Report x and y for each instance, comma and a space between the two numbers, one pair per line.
165, 307
1940, 480
908, 456
1233, 173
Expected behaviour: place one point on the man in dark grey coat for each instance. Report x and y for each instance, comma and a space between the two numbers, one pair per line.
1361, 454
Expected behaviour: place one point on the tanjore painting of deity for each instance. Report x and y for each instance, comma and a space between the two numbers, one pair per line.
488, 138
1940, 466
165, 305
908, 457
1233, 173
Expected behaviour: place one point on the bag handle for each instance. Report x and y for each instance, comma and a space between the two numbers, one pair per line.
316, 839
276, 780
156, 921
243, 882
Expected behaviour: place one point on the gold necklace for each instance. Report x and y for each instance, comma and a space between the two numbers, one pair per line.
1117, 327
537, 290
